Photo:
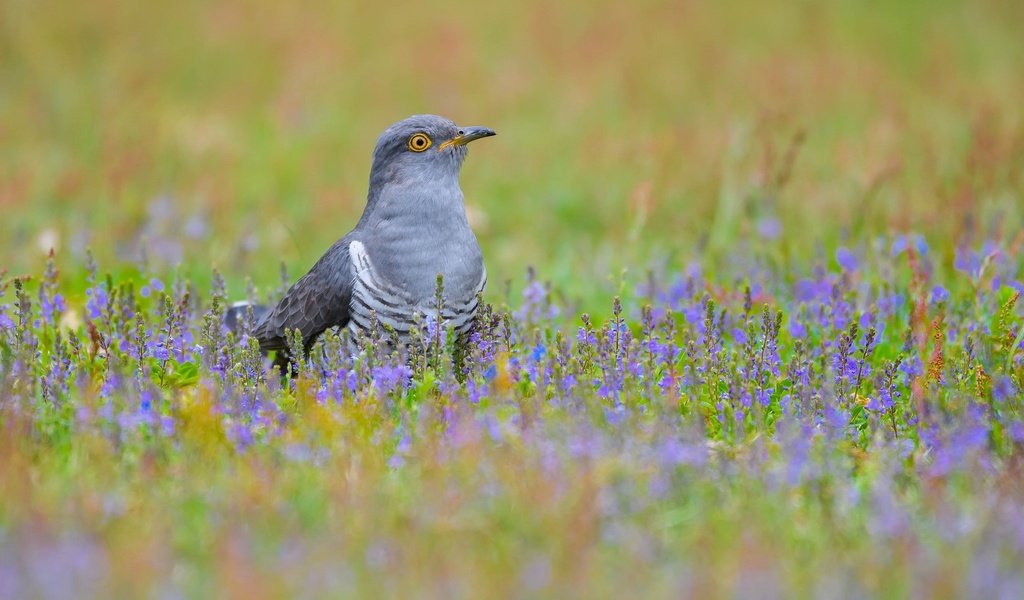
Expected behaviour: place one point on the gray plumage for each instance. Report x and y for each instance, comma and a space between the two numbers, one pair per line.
413, 228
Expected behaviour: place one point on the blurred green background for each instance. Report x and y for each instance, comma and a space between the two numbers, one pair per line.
238, 134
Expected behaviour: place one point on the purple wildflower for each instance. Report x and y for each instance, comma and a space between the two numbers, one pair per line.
390, 377
846, 259
939, 295
674, 452
968, 262
1003, 389
899, 245
97, 301
769, 228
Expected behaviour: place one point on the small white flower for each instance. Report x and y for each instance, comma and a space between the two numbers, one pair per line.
48, 239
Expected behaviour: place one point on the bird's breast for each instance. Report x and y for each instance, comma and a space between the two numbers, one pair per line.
395, 282
412, 255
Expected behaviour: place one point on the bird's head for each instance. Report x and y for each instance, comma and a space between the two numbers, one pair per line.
422, 147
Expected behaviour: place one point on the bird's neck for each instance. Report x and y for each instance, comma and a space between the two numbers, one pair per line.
415, 229
418, 203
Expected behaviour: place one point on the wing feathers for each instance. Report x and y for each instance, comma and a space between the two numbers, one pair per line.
317, 301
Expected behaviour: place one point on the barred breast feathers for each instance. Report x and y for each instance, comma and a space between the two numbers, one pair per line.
394, 307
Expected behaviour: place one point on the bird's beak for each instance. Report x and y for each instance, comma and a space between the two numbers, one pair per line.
467, 135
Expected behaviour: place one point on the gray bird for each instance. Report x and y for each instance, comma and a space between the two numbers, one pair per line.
413, 228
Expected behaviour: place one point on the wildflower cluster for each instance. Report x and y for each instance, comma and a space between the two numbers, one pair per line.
805, 429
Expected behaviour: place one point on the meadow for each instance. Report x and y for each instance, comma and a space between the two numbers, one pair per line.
754, 326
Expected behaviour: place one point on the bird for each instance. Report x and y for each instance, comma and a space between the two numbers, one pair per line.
413, 230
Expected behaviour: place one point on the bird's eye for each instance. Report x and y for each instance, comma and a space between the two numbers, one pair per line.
419, 142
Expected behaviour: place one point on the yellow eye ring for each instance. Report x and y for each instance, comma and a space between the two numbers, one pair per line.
419, 142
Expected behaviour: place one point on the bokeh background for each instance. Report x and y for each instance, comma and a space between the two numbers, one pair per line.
189, 135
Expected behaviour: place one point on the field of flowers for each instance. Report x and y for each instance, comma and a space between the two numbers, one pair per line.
821, 434
755, 325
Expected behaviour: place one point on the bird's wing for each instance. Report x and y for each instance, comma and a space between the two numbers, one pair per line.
317, 301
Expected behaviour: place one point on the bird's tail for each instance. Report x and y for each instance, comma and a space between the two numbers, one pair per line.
237, 317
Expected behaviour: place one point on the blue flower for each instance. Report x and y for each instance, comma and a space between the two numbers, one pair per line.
97, 301
158, 350
807, 290
939, 294
673, 452
389, 377
1016, 431
769, 228
49, 307
898, 245
912, 368
846, 259
921, 244
1003, 388
968, 262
